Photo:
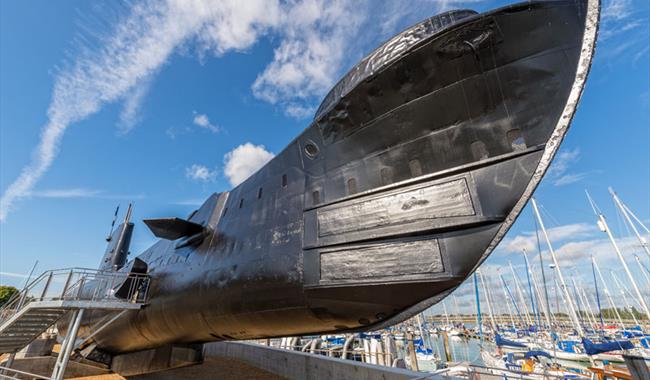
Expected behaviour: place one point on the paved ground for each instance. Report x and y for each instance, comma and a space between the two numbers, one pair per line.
212, 368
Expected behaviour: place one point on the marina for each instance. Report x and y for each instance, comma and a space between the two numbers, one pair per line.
413, 223
560, 326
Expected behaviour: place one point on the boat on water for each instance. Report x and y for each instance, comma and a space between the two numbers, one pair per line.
415, 166
529, 364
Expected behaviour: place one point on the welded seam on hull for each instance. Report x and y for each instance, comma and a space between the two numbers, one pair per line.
584, 65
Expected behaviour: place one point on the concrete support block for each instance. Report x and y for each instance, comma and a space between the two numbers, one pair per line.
157, 359
296, 365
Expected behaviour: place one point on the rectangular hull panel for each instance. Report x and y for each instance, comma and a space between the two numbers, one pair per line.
436, 201
388, 260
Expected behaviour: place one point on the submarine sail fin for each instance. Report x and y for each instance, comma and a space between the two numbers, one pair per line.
172, 228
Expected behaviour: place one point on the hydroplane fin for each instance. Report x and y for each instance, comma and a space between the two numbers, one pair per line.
172, 228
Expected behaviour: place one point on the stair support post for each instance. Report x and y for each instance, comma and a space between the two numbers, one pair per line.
47, 286
67, 283
68, 344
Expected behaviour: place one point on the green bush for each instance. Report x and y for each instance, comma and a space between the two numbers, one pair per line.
6, 292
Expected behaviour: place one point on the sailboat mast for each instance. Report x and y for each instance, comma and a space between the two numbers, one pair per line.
590, 315
607, 293
623, 208
444, 306
522, 299
600, 310
479, 321
424, 342
622, 289
572, 311
604, 227
643, 269
548, 304
460, 319
489, 304
539, 298
647, 231
506, 298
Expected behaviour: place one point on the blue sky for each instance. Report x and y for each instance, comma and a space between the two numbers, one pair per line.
163, 103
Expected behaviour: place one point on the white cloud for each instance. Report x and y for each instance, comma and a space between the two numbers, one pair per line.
203, 121
569, 179
130, 114
306, 63
66, 193
563, 160
617, 10
528, 239
134, 52
298, 111
315, 40
200, 173
624, 32
243, 161
559, 170
12, 274
194, 202
80, 192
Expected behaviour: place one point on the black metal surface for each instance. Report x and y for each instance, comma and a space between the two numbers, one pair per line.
416, 164
173, 228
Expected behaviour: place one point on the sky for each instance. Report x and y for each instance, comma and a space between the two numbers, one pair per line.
163, 103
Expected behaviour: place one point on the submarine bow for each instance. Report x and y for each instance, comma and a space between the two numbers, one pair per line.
415, 166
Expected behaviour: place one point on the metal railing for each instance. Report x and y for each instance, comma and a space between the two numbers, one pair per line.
485, 373
79, 284
8, 373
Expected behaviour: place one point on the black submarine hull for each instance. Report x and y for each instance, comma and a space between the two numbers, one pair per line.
415, 166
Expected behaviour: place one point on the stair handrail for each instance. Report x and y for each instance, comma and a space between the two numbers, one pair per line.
20, 294
106, 283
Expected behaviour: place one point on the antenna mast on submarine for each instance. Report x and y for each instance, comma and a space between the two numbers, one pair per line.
110, 233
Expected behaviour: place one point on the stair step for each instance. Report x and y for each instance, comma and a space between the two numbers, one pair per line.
43, 315
18, 330
38, 317
18, 335
35, 320
31, 323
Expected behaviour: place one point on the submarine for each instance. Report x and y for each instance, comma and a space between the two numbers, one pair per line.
414, 167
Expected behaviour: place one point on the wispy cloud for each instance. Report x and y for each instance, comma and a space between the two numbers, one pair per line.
66, 193
299, 112
203, 121
315, 40
243, 161
81, 193
12, 274
559, 173
132, 53
568, 179
616, 10
190, 202
528, 240
624, 31
563, 160
130, 114
200, 173
306, 63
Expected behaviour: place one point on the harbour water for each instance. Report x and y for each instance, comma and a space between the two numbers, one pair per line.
462, 350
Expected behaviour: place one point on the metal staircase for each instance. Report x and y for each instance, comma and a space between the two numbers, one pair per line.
67, 292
